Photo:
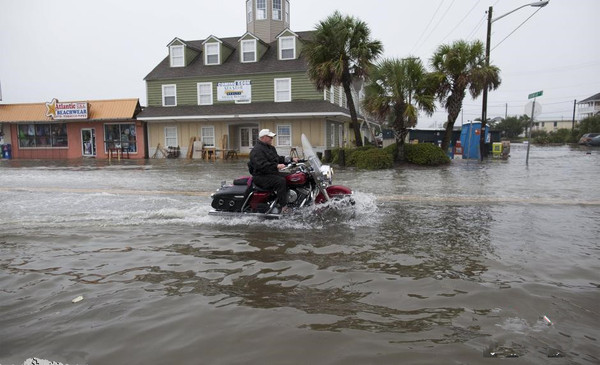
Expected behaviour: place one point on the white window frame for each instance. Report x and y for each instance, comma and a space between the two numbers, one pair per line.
177, 60
252, 43
279, 11
204, 136
261, 13
249, 7
277, 90
287, 12
198, 86
332, 136
170, 135
341, 91
280, 135
341, 135
332, 94
164, 95
293, 48
217, 53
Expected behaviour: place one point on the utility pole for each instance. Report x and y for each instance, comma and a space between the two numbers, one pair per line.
573, 121
482, 149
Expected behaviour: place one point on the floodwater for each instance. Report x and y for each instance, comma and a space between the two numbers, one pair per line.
461, 264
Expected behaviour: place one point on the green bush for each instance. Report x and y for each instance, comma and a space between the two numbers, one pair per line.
373, 159
392, 150
425, 154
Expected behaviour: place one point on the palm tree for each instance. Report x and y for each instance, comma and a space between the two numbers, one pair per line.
341, 50
395, 93
458, 67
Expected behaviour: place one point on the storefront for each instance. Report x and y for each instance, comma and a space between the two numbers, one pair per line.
59, 130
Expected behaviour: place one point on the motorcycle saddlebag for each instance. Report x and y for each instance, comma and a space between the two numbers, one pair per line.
230, 198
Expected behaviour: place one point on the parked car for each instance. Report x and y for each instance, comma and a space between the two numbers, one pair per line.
594, 141
586, 138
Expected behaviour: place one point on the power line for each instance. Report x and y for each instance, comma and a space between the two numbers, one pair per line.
438, 23
460, 22
427, 27
479, 24
511, 33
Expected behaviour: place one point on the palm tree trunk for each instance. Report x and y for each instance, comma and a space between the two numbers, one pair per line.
454, 106
353, 115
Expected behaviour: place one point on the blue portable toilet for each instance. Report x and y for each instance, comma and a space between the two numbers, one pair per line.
469, 139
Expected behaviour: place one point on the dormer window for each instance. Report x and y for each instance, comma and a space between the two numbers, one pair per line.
276, 9
176, 56
211, 51
287, 48
249, 50
261, 9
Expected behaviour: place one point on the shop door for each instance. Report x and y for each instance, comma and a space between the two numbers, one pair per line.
248, 138
88, 142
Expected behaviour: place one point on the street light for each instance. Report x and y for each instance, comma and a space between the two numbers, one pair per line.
537, 4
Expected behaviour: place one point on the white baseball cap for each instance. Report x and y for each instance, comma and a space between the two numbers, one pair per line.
266, 132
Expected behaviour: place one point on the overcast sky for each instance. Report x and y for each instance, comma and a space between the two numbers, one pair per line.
87, 50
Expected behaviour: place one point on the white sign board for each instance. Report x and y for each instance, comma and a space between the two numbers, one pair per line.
237, 90
75, 110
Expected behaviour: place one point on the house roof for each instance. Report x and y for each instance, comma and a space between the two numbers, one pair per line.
591, 98
302, 108
116, 109
231, 66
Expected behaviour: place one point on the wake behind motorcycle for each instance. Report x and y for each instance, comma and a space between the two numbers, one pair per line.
308, 182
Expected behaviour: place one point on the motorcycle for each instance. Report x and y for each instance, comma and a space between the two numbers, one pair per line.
309, 183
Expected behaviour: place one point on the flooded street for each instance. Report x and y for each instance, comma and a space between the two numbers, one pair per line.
462, 263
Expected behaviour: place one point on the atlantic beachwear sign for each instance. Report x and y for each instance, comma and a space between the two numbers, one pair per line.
74, 110
237, 90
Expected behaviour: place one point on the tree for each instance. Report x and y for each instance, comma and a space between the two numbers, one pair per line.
589, 125
456, 68
395, 93
512, 127
341, 50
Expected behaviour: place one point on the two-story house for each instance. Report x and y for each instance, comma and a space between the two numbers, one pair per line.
223, 91
589, 107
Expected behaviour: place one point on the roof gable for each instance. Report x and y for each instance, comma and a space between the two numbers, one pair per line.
591, 98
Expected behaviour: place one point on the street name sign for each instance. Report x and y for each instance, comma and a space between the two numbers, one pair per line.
536, 94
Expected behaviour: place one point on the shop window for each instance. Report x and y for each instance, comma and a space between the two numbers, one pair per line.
208, 136
284, 135
46, 135
120, 136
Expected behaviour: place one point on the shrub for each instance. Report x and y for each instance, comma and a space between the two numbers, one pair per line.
373, 159
392, 150
425, 154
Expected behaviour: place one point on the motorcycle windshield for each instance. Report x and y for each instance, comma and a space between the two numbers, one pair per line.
310, 154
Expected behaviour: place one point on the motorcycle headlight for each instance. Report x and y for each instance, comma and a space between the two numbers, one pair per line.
327, 173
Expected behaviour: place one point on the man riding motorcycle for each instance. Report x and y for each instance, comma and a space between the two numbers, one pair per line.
264, 165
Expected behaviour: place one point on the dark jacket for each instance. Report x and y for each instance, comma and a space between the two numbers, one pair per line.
264, 159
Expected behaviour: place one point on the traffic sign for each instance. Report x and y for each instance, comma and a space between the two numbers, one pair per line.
536, 94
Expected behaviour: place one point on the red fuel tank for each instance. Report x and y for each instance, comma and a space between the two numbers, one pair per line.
298, 178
